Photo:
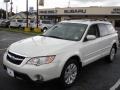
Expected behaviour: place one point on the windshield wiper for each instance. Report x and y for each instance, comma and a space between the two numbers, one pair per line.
55, 37
52, 36
44, 35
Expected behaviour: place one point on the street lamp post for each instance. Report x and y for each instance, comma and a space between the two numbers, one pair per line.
6, 1
69, 4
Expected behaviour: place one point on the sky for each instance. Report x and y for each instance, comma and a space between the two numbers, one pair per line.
20, 5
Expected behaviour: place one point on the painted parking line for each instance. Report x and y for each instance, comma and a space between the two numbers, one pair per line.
3, 49
116, 85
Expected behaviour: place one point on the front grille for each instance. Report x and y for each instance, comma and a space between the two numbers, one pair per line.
15, 59
21, 76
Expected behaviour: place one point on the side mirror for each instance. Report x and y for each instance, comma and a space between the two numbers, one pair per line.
91, 37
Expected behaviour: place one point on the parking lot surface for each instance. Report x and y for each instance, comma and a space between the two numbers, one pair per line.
99, 75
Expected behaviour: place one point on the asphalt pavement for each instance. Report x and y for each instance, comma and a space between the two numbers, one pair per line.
99, 75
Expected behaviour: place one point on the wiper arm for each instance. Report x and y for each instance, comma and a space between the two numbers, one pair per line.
44, 35
52, 36
55, 37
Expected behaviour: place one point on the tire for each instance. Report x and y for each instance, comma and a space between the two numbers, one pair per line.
19, 26
44, 29
70, 73
111, 56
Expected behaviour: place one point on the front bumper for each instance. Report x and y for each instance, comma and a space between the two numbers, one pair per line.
19, 75
35, 73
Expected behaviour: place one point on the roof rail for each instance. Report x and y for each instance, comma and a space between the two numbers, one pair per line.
105, 19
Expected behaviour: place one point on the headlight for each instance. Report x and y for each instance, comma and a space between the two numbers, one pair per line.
41, 60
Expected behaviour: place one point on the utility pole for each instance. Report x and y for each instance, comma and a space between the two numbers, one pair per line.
16, 9
0, 13
11, 3
6, 10
27, 13
37, 29
27, 29
37, 13
41, 2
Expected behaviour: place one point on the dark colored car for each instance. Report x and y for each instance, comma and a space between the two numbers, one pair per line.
5, 23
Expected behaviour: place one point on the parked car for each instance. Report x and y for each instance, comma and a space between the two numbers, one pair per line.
24, 23
16, 22
1, 20
5, 23
61, 51
43, 24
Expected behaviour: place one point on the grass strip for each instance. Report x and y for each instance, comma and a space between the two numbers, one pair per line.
20, 31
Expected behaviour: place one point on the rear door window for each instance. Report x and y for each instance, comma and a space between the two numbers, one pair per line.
110, 28
106, 29
103, 30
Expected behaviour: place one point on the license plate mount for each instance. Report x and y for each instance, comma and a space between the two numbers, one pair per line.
10, 72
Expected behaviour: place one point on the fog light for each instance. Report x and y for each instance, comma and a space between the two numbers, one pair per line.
39, 77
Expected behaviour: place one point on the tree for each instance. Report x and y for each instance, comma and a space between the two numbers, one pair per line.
2, 13
9, 14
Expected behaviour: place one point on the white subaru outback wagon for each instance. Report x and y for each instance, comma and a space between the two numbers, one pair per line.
61, 51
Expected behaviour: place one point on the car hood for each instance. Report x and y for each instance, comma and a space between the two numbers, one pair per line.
39, 46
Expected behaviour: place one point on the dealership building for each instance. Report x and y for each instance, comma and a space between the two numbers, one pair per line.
111, 14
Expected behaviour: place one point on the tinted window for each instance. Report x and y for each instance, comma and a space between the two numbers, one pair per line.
32, 21
93, 30
20, 20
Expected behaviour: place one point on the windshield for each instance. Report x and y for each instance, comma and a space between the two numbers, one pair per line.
24, 21
13, 21
31, 21
20, 20
68, 31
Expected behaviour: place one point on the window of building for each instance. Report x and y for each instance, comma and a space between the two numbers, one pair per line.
117, 23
